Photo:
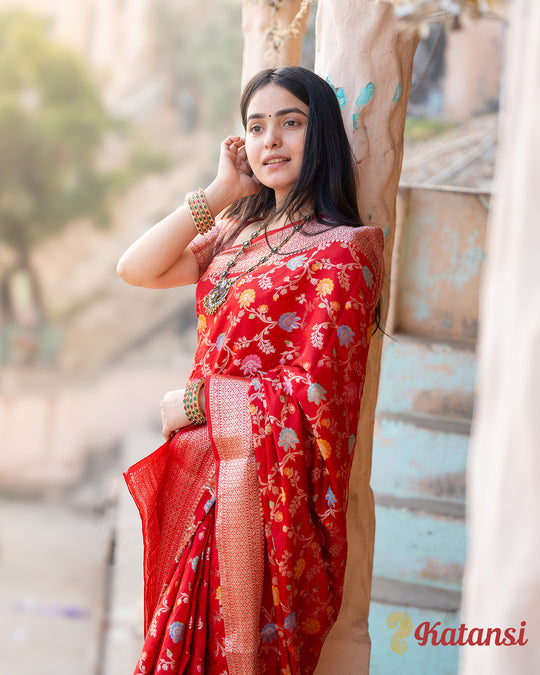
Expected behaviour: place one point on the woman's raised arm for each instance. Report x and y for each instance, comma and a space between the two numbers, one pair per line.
160, 257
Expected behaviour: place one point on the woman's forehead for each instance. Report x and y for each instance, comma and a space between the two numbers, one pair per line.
271, 99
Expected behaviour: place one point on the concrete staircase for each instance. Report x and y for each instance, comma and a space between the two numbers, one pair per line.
423, 423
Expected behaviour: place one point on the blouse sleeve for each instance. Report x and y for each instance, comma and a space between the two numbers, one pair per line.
205, 246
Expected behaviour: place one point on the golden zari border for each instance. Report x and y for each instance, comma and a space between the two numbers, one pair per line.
167, 486
239, 522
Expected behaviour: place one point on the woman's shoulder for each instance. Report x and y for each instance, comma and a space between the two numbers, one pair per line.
365, 238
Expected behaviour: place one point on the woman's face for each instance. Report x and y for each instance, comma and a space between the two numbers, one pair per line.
275, 136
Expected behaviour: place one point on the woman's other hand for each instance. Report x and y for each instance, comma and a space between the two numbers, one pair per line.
173, 416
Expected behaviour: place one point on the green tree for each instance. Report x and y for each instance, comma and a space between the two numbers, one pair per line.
52, 124
200, 45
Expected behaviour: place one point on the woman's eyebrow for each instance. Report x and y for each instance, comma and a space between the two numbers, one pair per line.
280, 113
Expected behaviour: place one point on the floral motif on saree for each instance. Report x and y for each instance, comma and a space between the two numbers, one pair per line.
284, 365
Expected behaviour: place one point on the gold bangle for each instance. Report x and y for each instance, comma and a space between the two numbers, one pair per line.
200, 213
191, 403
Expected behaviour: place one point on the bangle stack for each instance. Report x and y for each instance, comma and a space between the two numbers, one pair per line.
191, 403
200, 212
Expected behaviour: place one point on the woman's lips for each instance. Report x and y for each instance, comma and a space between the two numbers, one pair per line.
275, 160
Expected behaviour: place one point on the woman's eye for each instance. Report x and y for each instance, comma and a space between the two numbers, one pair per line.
255, 129
291, 123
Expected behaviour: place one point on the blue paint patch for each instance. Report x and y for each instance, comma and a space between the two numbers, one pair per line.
469, 263
422, 310
386, 231
464, 264
398, 92
339, 92
366, 94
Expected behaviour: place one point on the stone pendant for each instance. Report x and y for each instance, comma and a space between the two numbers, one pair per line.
217, 296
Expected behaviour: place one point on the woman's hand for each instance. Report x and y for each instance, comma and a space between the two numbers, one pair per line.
160, 258
234, 178
173, 416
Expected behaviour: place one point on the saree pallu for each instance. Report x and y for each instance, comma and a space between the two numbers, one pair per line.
244, 518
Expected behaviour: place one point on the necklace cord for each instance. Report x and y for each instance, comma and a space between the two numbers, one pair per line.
217, 296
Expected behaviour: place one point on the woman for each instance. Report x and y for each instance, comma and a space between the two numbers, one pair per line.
244, 506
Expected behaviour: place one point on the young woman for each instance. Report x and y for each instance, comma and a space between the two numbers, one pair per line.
244, 506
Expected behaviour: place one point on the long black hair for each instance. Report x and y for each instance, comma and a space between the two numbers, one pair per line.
326, 184
327, 179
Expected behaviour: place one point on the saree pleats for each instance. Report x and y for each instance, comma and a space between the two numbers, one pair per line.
167, 512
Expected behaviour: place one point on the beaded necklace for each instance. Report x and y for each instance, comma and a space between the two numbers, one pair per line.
217, 296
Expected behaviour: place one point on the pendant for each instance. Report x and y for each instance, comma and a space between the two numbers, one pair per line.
213, 301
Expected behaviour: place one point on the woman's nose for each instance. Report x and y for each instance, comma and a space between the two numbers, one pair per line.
272, 138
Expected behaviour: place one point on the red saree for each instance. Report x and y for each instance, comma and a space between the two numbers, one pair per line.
244, 518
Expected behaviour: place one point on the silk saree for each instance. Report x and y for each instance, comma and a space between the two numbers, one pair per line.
244, 518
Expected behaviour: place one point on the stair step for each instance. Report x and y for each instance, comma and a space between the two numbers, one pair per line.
411, 462
433, 422
426, 379
404, 594
439, 507
421, 548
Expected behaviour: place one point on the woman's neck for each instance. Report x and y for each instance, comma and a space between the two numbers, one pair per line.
276, 223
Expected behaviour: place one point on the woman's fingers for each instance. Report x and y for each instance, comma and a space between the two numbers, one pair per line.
236, 150
233, 143
234, 169
173, 416
237, 145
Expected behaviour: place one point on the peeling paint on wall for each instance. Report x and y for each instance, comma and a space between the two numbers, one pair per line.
340, 93
442, 255
366, 94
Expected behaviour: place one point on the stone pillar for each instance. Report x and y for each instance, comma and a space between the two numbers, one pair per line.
502, 573
273, 32
367, 56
